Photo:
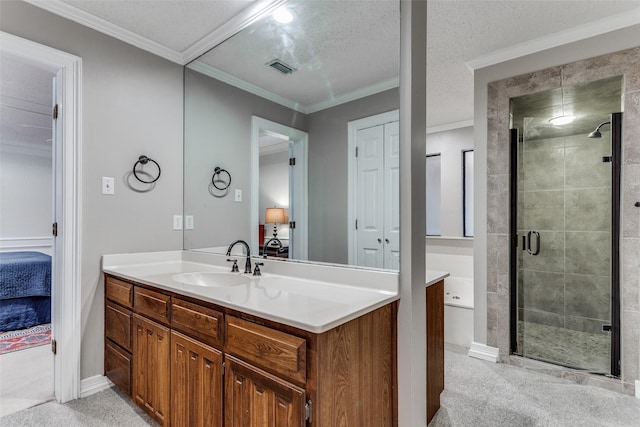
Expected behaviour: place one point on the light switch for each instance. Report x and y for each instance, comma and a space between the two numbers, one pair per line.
188, 222
238, 195
177, 222
108, 184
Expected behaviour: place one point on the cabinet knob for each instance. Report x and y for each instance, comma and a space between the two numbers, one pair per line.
379, 240
386, 240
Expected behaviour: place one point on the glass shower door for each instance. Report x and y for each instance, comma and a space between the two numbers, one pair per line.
563, 256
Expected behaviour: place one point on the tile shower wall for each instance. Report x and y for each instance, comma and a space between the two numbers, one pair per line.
627, 64
565, 195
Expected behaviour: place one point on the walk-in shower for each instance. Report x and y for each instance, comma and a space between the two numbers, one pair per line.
565, 226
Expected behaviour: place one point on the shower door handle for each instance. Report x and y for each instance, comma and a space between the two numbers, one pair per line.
537, 235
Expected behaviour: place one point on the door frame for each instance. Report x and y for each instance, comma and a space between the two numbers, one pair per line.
301, 198
352, 173
65, 292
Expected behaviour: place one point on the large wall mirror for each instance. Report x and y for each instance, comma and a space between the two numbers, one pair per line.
284, 88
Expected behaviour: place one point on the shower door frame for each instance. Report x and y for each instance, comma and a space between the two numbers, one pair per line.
616, 167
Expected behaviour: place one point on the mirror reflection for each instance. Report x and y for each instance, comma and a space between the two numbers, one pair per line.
275, 106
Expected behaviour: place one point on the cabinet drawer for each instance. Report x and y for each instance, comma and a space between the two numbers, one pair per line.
119, 291
198, 321
152, 304
117, 325
117, 367
272, 350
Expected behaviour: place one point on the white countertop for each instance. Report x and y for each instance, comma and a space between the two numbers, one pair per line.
434, 276
311, 297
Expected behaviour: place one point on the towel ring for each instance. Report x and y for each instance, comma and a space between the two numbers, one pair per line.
218, 171
143, 160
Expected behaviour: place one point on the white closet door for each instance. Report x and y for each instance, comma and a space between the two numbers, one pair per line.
392, 196
370, 196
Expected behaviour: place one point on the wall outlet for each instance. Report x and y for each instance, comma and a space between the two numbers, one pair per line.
108, 184
188, 222
177, 222
238, 195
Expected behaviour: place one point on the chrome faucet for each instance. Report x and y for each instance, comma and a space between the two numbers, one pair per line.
266, 245
247, 264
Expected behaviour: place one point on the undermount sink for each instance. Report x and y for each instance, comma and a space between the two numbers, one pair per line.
212, 279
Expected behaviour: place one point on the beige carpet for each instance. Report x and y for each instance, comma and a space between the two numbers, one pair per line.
26, 379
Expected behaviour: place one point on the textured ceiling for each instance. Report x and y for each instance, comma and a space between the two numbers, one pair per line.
174, 24
334, 47
457, 32
25, 104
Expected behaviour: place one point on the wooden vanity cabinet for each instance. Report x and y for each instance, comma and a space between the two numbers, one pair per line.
435, 347
193, 363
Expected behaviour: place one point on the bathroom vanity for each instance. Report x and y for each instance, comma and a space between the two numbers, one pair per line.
434, 303
193, 344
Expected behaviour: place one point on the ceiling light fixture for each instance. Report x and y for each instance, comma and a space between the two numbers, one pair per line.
561, 120
564, 118
283, 15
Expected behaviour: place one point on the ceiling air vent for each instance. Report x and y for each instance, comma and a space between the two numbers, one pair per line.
281, 66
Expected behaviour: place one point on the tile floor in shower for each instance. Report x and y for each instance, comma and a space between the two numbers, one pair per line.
575, 349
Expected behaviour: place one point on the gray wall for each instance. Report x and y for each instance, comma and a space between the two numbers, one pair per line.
218, 133
131, 105
274, 189
25, 195
328, 138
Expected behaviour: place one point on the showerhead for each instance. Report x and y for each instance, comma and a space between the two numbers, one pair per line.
596, 133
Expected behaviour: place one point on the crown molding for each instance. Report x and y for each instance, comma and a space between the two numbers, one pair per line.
67, 11
239, 22
571, 35
215, 73
450, 126
391, 83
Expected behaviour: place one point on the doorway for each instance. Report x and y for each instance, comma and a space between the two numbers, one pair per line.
26, 208
65, 276
565, 215
282, 144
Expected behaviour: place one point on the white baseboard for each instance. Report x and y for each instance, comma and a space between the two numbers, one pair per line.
94, 384
484, 352
638, 389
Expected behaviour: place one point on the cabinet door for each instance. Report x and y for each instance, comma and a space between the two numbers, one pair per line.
151, 368
256, 398
196, 383
117, 366
117, 325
